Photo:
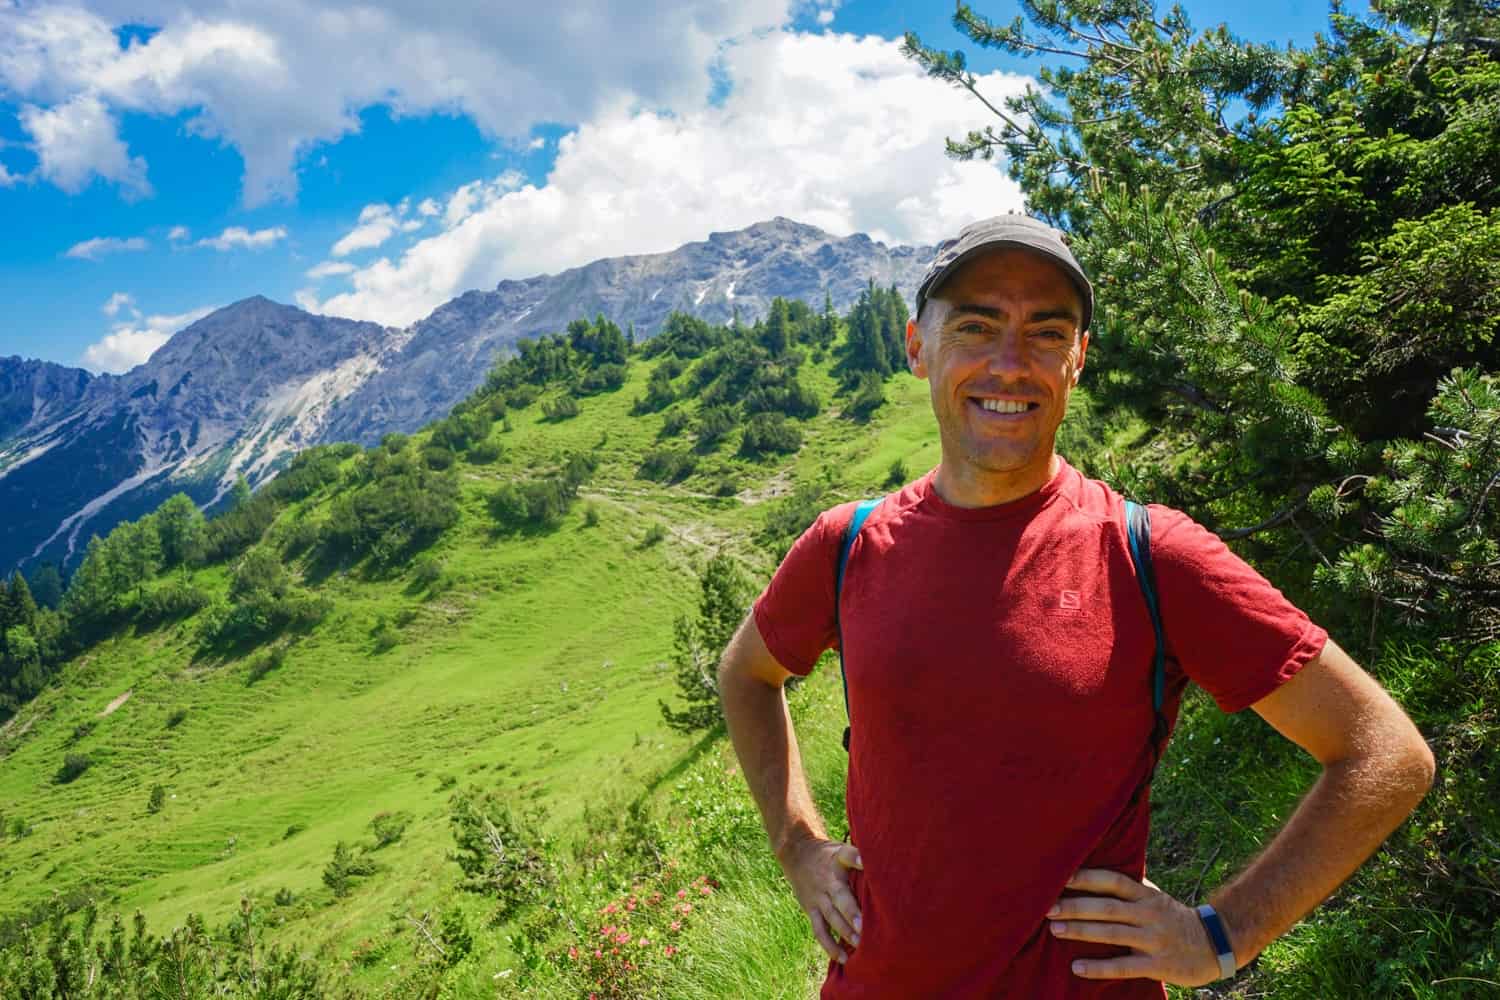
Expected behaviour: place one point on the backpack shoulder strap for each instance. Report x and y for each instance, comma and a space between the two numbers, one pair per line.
1138, 533
851, 531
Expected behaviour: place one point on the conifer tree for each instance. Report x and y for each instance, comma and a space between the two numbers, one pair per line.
699, 643
1296, 256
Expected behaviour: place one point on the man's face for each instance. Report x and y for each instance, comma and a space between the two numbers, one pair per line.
1000, 348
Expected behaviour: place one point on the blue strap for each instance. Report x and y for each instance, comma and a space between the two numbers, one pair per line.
1138, 530
861, 511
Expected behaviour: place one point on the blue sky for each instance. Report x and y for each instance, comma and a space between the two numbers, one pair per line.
150, 172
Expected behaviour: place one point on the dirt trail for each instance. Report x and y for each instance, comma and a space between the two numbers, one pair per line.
122, 699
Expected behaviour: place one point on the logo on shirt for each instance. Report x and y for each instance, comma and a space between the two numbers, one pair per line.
1070, 600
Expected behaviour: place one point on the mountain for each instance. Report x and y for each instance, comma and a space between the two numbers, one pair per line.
452, 349
233, 394
239, 391
32, 392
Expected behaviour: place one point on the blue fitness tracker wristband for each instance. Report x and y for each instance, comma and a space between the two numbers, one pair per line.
1215, 928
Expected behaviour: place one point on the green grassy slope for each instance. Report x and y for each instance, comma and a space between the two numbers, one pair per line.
540, 668
536, 670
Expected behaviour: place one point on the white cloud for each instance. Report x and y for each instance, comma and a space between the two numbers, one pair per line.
77, 140
7, 178
118, 301
832, 130
376, 224
825, 17
132, 343
239, 236
178, 233
379, 222
330, 267
99, 246
275, 78
538, 143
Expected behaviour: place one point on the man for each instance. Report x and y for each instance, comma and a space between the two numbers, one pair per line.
998, 655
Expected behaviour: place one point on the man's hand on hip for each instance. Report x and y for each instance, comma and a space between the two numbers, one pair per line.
819, 873
1167, 940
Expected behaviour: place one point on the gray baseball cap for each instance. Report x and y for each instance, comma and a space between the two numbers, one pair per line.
999, 232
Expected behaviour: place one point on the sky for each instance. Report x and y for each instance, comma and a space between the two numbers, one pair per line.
161, 159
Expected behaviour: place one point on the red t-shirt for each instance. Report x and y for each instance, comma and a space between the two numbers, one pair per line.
999, 678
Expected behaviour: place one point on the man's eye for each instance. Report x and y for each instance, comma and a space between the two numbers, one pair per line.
1051, 334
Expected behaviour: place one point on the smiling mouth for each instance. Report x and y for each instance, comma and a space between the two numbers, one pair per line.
1003, 407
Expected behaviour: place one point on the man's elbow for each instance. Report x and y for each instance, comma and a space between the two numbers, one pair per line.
1411, 769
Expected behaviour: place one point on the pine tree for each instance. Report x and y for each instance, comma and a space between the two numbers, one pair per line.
1296, 256
698, 644
47, 586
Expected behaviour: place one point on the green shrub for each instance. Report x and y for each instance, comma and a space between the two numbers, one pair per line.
897, 476
293, 830
602, 378
386, 636
388, 827
157, 800
521, 397
487, 451
591, 516
82, 730
667, 465
272, 659
867, 397
344, 867
427, 571
560, 409
170, 601
655, 534
176, 716
715, 423
673, 424
769, 433
501, 851
284, 897
438, 458
73, 765
394, 443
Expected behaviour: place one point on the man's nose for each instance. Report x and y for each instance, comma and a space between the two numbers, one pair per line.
1007, 355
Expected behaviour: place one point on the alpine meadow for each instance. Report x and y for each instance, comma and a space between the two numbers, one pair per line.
437, 717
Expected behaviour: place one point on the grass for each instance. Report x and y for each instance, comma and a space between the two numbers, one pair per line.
537, 667
533, 663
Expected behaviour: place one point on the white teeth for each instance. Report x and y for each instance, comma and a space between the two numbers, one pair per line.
1004, 405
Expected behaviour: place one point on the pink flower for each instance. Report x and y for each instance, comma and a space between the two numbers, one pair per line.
707, 891
623, 937
573, 952
686, 908
643, 942
682, 894
608, 908
607, 931
677, 925
598, 953
669, 951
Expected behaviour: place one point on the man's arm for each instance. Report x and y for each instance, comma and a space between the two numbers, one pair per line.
1376, 768
751, 687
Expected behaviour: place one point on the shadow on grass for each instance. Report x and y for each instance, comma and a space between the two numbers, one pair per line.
693, 754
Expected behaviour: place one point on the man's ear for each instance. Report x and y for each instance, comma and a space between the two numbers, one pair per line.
1083, 350
914, 349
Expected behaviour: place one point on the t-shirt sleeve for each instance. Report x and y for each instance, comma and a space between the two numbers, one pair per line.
1230, 630
795, 613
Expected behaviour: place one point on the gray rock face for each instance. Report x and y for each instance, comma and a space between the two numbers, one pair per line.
236, 393
451, 350
32, 392
239, 391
